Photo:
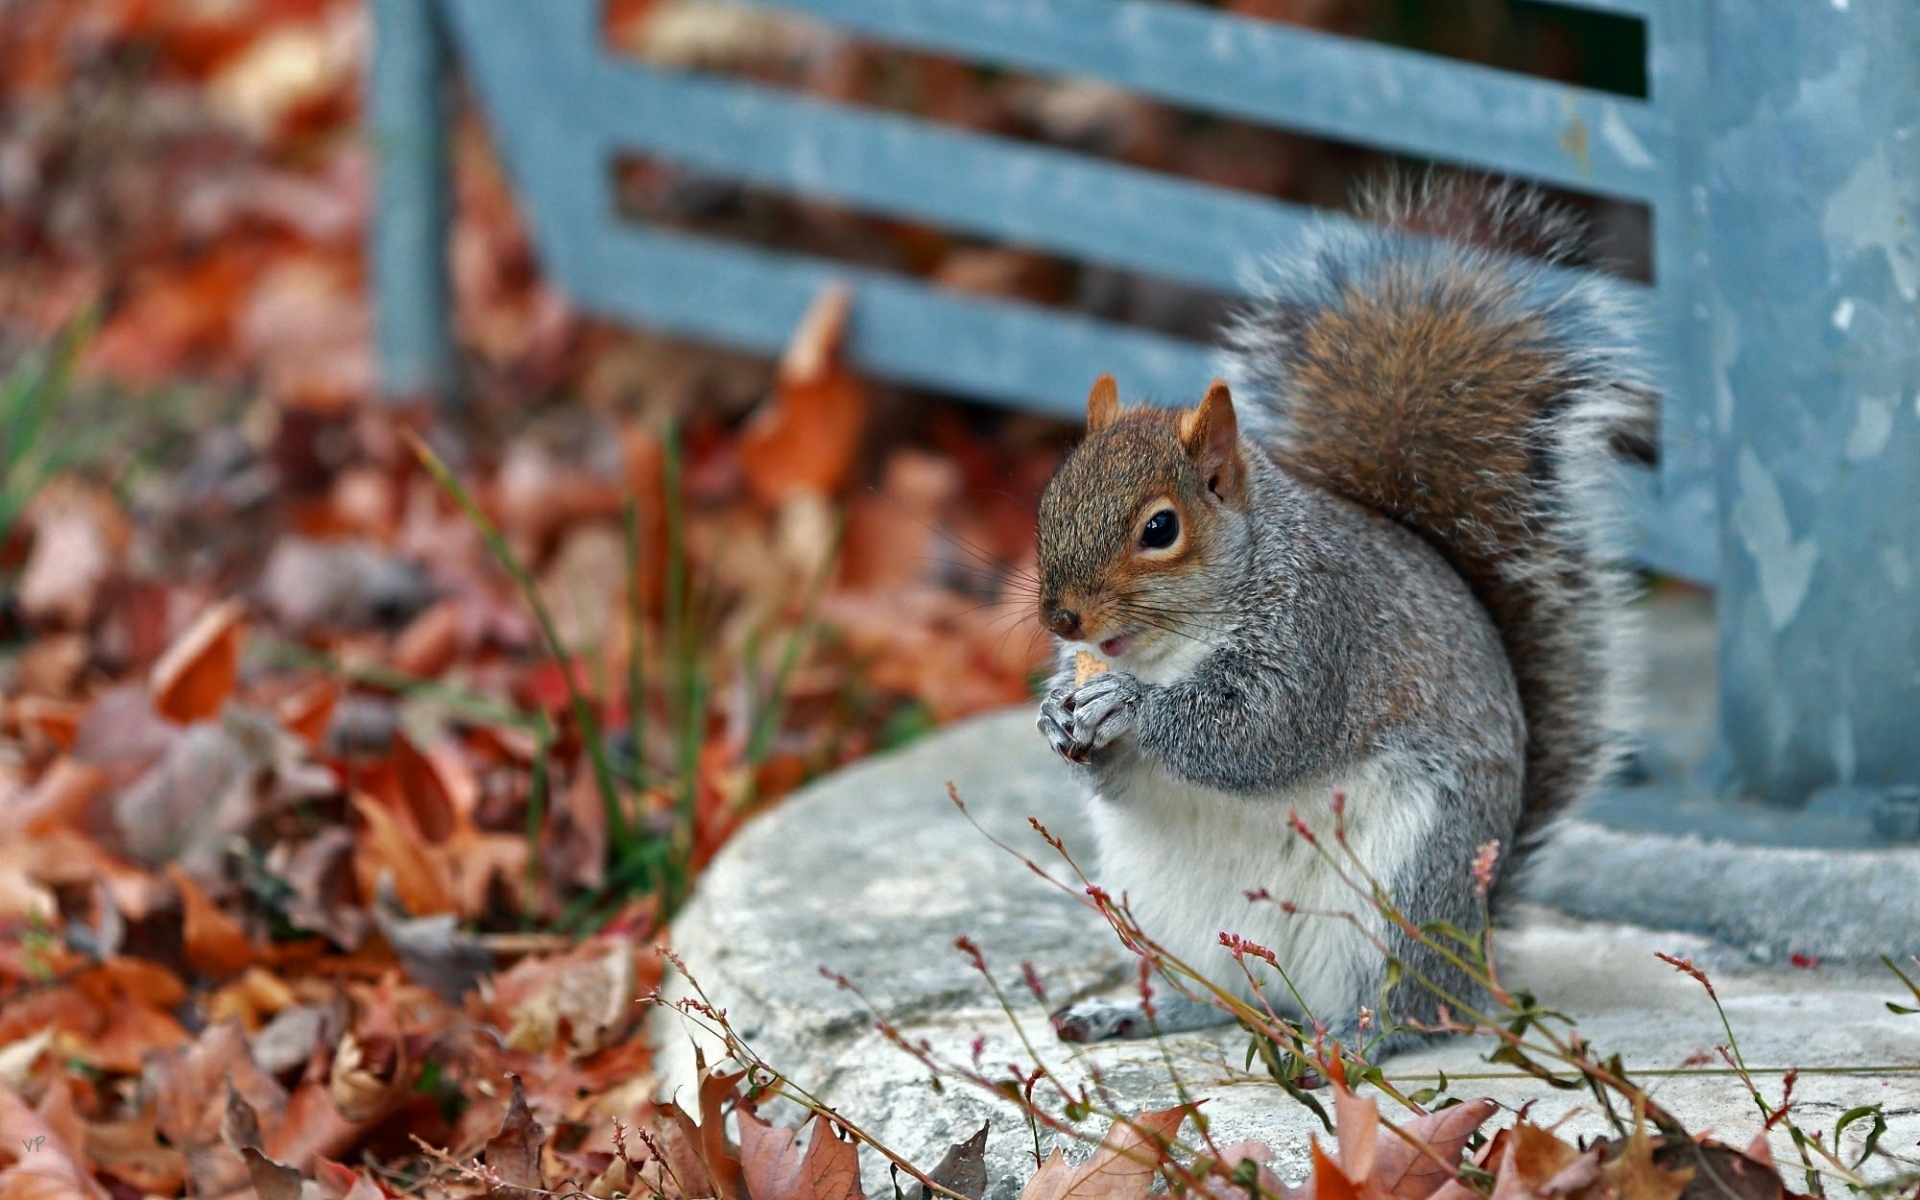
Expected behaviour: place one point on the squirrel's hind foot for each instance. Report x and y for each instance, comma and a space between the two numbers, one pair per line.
1102, 1020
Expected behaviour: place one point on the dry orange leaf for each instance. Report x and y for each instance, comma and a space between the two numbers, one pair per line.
1408, 1172
215, 943
195, 676
307, 712
429, 797
387, 845
806, 436
56, 720
429, 644
1123, 1166
1635, 1176
774, 1169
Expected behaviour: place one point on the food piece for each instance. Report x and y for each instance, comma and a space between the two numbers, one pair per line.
1085, 667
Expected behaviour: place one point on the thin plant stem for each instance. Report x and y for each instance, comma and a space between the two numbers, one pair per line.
618, 833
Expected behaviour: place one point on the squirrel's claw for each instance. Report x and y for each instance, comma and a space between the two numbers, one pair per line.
1103, 709
1054, 724
1077, 721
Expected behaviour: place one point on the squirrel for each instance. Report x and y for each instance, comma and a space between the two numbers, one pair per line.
1386, 573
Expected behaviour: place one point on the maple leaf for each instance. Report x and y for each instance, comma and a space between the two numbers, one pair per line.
1123, 1167
774, 1169
1533, 1164
1404, 1166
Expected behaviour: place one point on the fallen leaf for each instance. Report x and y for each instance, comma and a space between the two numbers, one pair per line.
1356, 1123
430, 642
46, 1166
195, 676
131, 1151
435, 951
50, 665
1051, 1180
58, 721
326, 894
17, 1058
1125, 1164
1328, 1181
806, 437
388, 847
271, 1180
587, 994
306, 712
215, 944
962, 1169
429, 795
514, 1152
345, 585
1633, 1175
78, 535
186, 807
64, 795
364, 1086
829, 1169
1534, 1164
1405, 1171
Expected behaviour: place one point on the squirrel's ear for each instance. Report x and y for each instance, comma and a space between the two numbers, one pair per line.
1103, 404
1211, 434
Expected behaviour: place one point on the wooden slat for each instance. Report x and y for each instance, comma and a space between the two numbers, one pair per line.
1644, 9
528, 74
1012, 353
996, 187
1318, 83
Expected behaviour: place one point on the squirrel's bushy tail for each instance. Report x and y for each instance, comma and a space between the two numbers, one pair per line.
1478, 397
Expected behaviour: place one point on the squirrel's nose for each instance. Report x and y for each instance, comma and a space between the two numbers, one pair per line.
1065, 622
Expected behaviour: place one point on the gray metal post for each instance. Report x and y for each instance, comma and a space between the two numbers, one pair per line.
1813, 193
408, 114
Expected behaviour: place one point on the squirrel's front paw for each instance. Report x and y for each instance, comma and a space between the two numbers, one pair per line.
1076, 721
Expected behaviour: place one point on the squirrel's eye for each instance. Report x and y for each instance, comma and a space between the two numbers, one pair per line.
1160, 530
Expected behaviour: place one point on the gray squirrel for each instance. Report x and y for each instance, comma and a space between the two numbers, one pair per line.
1388, 572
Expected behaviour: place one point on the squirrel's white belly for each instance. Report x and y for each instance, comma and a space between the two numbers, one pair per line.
1185, 858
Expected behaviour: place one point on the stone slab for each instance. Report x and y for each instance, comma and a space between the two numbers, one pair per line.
873, 873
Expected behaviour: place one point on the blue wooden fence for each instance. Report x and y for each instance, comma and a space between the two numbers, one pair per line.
1749, 151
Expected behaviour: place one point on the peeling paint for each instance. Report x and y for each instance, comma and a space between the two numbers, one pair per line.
1614, 129
1893, 560
1872, 426
1875, 210
1785, 566
1725, 333
1574, 140
1843, 314
1846, 759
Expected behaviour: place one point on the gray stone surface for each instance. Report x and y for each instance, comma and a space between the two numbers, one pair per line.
874, 873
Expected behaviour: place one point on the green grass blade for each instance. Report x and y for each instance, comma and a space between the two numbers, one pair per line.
636, 652
620, 837
768, 712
